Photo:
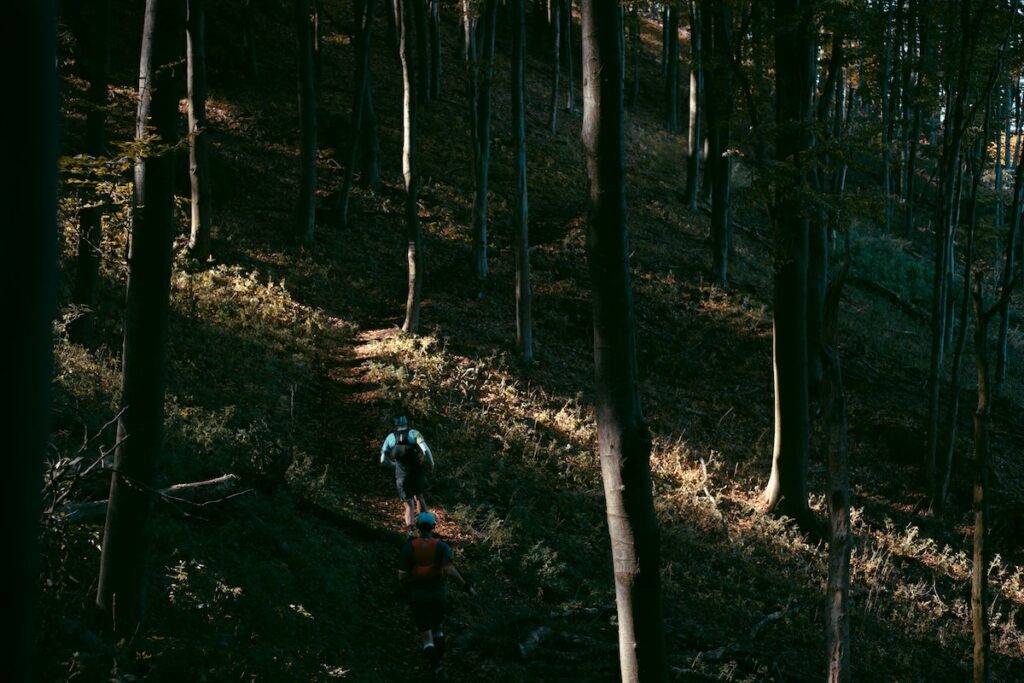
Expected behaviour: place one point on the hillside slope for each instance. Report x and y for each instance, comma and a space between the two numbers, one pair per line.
288, 357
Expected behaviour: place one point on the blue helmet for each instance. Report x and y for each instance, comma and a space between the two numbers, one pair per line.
401, 421
426, 519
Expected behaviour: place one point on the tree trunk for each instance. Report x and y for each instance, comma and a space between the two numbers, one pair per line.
979, 562
556, 62
406, 19
520, 203
623, 435
570, 102
840, 543
435, 49
423, 52
886, 152
30, 285
696, 109
249, 39
481, 67
198, 148
305, 222
90, 218
718, 88
942, 479
633, 61
794, 82
364, 24
120, 594
1010, 269
672, 70
369, 162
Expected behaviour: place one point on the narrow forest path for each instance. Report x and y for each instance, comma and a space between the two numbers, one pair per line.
357, 420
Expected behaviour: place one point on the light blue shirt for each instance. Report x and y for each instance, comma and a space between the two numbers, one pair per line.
391, 441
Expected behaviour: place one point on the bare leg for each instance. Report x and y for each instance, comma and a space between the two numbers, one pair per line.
410, 511
421, 503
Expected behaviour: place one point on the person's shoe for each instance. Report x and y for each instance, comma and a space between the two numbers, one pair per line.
410, 530
440, 674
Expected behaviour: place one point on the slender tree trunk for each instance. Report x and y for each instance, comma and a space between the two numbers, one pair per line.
840, 543
945, 225
364, 24
556, 62
719, 96
570, 102
424, 70
943, 476
633, 62
305, 222
249, 39
435, 49
406, 21
120, 594
29, 266
980, 558
520, 203
391, 17
90, 218
1011, 268
886, 141
672, 70
198, 148
696, 109
623, 435
794, 82
481, 72
369, 163
818, 242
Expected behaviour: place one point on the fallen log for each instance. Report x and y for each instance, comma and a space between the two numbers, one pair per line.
193, 494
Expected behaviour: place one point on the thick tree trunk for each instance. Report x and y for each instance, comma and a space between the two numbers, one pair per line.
623, 436
406, 20
90, 218
672, 70
120, 594
364, 24
556, 62
305, 218
30, 286
794, 82
520, 203
198, 148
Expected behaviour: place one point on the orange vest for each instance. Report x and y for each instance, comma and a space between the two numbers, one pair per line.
425, 559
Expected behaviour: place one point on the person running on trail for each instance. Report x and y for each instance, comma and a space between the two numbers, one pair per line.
423, 567
406, 450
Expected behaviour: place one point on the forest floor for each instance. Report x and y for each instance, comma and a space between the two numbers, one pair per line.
288, 358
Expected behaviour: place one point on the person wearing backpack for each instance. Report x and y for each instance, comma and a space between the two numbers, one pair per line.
423, 567
407, 451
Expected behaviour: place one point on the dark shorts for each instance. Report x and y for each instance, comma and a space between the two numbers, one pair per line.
427, 609
409, 484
